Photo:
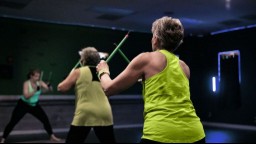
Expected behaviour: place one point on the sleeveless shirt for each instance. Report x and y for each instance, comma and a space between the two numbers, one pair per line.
32, 101
169, 115
92, 107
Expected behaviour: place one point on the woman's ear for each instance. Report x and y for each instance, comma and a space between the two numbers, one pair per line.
82, 62
154, 42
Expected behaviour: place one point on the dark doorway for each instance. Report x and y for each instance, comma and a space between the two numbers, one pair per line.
229, 80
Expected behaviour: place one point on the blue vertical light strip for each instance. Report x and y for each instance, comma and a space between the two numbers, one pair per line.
219, 54
239, 67
214, 84
239, 63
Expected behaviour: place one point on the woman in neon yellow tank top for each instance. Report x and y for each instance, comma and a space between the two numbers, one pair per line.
169, 114
92, 107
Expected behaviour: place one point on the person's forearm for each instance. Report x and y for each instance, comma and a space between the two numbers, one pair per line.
62, 87
106, 83
29, 95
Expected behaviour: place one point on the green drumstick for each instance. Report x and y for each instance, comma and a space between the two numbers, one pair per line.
117, 48
79, 62
50, 76
120, 51
42, 74
124, 56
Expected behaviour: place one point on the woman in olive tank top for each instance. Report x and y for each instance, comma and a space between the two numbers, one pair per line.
92, 107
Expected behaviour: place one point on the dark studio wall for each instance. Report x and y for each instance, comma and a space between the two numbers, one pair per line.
201, 54
54, 49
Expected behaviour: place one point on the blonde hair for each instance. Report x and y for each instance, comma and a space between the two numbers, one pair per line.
89, 56
169, 32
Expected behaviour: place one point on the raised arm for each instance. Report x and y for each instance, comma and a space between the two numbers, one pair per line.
66, 84
131, 74
26, 92
45, 87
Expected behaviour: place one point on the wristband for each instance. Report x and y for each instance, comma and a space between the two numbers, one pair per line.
49, 84
38, 88
103, 71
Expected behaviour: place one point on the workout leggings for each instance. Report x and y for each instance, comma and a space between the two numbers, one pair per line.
78, 134
20, 110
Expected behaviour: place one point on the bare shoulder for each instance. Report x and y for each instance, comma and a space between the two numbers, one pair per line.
148, 55
183, 63
142, 58
185, 68
25, 82
75, 74
77, 71
144, 55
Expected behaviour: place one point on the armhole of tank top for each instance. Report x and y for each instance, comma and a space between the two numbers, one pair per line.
183, 72
37, 83
86, 69
30, 88
78, 78
29, 85
164, 69
93, 74
167, 62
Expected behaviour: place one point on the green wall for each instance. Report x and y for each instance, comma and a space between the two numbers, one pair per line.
54, 49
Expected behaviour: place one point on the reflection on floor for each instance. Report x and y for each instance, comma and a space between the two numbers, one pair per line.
215, 133
229, 133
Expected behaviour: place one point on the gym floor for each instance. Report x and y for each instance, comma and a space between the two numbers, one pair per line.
215, 133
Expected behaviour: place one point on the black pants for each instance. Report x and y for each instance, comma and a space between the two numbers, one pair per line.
150, 141
20, 110
78, 134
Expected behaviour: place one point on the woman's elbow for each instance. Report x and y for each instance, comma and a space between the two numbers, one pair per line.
26, 96
107, 92
110, 91
61, 89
